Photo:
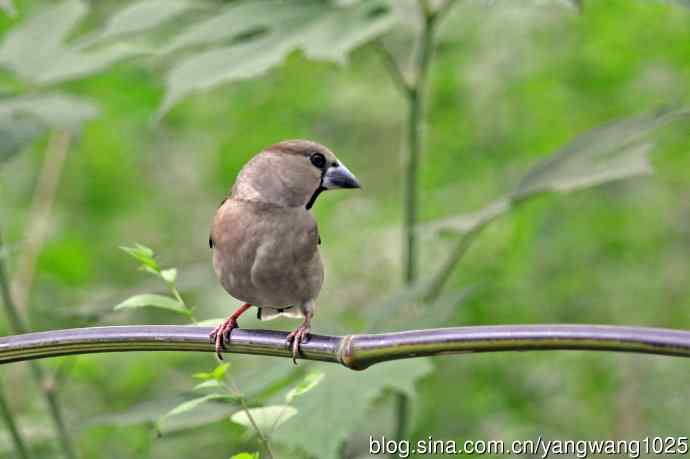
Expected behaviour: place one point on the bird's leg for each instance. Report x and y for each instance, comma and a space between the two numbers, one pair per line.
222, 331
300, 335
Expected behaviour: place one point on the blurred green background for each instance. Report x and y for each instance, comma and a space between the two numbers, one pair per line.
509, 83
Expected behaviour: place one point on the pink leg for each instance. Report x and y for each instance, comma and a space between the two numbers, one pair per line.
299, 336
222, 331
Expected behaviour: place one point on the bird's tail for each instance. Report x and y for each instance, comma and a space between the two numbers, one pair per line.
293, 312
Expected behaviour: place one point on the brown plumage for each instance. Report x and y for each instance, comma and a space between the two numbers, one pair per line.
265, 239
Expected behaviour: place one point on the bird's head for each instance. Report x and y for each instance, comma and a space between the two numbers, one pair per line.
292, 173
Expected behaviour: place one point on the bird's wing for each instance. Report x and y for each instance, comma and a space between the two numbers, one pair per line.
211, 243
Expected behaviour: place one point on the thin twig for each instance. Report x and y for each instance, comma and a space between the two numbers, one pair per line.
243, 403
39, 216
37, 372
394, 70
7, 415
440, 278
356, 352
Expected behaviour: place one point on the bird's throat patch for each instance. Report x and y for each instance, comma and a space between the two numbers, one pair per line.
316, 194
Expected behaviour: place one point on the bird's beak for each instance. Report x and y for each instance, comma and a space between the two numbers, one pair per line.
339, 177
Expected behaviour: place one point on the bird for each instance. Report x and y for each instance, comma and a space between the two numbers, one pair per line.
265, 239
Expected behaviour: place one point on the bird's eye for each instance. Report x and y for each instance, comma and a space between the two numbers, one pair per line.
318, 160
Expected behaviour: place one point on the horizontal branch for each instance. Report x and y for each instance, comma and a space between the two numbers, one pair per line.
353, 351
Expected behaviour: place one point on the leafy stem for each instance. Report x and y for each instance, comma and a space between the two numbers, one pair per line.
259, 433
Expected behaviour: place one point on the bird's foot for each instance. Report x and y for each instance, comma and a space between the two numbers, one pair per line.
221, 335
297, 337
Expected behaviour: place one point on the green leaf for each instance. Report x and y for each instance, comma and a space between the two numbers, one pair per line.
154, 301
169, 275
194, 403
209, 384
203, 375
141, 16
217, 374
145, 255
267, 418
275, 28
345, 396
614, 151
310, 381
36, 48
24, 118
220, 371
246, 456
56, 110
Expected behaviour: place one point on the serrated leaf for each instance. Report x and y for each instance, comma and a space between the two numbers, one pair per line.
36, 49
310, 381
346, 396
257, 381
614, 151
203, 415
169, 275
321, 30
145, 255
154, 301
266, 418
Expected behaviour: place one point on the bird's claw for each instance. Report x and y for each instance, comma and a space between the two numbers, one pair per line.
221, 335
297, 337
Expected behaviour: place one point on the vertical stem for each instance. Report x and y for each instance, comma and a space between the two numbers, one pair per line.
7, 415
48, 390
39, 214
410, 197
416, 98
262, 438
415, 123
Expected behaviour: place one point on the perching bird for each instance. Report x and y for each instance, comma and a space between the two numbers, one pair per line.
265, 239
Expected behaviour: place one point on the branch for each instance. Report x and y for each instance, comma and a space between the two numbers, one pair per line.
356, 352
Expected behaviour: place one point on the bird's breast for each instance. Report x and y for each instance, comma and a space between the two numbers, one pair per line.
267, 256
